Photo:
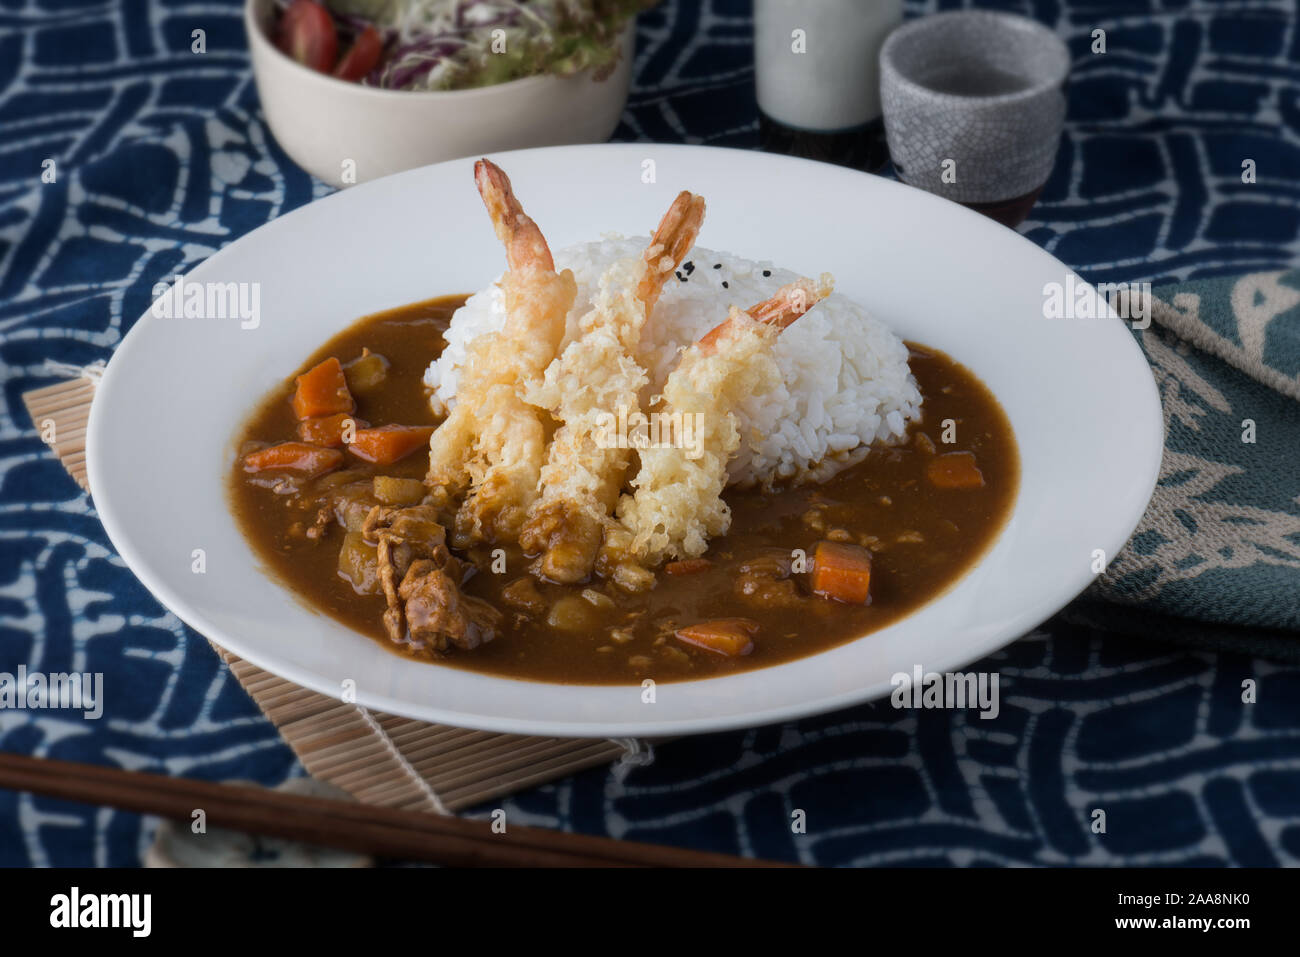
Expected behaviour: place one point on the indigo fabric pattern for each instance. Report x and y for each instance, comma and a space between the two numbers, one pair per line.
126, 158
1220, 540
1251, 322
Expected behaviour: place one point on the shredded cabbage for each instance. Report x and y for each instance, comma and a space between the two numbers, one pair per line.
458, 44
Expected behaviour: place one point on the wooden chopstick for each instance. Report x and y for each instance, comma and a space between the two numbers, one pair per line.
363, 828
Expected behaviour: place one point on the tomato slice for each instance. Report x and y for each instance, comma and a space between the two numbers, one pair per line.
362, 56
308, 35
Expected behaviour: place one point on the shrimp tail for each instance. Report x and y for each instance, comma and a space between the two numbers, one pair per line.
526, 247
790, 302
671, 242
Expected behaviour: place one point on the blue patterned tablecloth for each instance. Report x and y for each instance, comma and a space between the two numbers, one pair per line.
162, 158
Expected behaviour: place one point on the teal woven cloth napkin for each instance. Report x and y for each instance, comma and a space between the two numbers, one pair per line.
1216, 558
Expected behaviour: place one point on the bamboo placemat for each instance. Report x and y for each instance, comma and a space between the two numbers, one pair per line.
376, 757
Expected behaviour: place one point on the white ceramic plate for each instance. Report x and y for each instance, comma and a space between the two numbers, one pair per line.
1078, 392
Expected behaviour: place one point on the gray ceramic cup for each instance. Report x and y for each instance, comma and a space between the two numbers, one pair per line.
974, 102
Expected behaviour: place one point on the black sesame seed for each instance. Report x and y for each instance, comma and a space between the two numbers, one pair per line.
678, 274
724, 284
717, 265
689, 267
766, 273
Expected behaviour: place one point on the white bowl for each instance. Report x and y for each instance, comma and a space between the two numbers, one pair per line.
346, 133
1078, 392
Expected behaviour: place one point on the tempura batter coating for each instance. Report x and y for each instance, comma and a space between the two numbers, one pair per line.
596, 379
492, 442
676, 505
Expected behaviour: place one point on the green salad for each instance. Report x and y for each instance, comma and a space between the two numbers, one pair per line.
454, 44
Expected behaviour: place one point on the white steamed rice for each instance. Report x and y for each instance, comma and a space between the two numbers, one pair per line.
847, 383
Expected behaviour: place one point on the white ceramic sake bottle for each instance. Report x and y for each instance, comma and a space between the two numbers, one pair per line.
817, 74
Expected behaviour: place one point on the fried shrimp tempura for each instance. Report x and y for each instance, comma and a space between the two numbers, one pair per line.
597, 376
676, 505
493, 443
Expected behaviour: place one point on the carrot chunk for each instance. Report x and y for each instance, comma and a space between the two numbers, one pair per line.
310, 460
688, 566
389, 443
731, 637
954, 470
842, 572
323, 390
328, 430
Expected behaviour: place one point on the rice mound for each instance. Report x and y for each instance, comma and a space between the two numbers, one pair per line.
846, 383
